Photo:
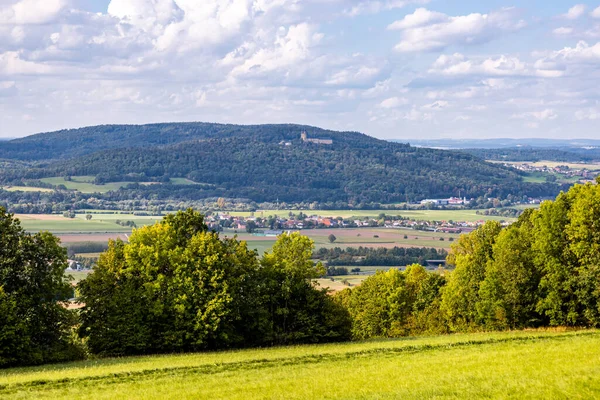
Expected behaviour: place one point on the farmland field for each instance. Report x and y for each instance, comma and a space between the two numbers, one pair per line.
99, 223
24, 189
84, 184
553, 164
420, 215
528, 364
103, 226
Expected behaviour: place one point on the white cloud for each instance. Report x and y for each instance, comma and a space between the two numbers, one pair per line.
563, 31
420, 17
436, 105
543, 115
393, 102
457, 65
12, 64
377, 6
575, 12
354, 75
25, 12
291, 47
596, 13
260, 61
430, 31
581, 52
591, 114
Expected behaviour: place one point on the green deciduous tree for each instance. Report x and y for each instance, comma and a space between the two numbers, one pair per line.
470, 256
34, 327
299, 312
174, 287
509, 293
395, 303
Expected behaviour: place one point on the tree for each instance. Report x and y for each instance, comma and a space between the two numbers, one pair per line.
299, 312
34, 327
250, 226
173, 287
331, 238
395, 303
558, 285
509, 293
470, 256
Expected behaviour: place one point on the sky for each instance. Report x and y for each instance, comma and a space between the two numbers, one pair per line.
394, 69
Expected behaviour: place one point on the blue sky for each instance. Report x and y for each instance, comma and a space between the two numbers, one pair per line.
399, 69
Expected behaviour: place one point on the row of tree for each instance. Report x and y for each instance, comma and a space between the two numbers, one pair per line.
544, 270
379, 257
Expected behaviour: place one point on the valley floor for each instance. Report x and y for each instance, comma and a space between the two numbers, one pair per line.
528, 364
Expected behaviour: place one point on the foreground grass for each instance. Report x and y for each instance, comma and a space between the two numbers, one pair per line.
498, 365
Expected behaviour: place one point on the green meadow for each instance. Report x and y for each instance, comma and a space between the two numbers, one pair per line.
523, 365
79, 224
24, 189
84, 184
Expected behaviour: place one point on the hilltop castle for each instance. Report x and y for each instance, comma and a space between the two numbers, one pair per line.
305, 139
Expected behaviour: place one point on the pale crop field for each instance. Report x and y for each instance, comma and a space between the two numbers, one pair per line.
553, 164
529, 364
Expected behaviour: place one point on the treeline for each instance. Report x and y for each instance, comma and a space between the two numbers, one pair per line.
174, 287
378, 257
84, 247
541, 271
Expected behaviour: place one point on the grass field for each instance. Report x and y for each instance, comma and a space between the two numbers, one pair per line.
84, 184
24, 189
99, 222
540, 177
530, 364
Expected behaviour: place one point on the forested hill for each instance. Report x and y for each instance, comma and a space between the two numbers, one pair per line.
66, 144
261, 163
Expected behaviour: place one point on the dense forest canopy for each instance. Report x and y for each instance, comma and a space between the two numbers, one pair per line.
260, 163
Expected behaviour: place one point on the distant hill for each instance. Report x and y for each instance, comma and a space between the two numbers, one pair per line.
262, 163
66, 144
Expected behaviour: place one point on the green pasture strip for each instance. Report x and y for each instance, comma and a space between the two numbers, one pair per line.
25, 189
182, 181
85, 184
529, 364
78, 276
72, 225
